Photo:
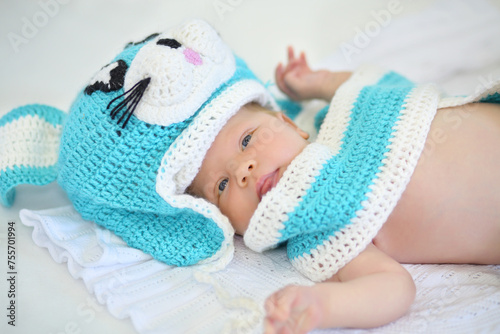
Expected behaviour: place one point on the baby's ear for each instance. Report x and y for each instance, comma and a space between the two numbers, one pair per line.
281, 116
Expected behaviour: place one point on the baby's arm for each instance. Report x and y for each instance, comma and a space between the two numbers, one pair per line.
299, 82
371, 290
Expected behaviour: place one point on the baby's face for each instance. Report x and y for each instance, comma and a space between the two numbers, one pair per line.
246, 160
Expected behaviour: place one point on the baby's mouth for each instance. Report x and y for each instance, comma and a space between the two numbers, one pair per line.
266, 183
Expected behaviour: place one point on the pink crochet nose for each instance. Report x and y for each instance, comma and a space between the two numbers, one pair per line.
192, 57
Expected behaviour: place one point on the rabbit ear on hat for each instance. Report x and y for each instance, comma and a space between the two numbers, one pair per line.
174, 236
30, 138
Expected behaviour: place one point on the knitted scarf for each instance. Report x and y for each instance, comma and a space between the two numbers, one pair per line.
335, 196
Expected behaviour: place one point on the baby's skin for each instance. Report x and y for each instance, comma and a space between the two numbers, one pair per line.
449, 212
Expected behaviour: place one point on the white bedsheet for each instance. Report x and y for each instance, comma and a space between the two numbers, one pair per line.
160, 299
163, 299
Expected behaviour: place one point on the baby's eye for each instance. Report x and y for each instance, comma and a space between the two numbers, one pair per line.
245, 141
222, 185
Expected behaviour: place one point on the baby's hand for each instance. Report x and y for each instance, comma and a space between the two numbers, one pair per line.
296, 79
293, 309
299, 82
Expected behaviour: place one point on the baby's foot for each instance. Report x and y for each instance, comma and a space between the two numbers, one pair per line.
293, 309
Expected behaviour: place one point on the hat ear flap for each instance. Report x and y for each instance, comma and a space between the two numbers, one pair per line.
177, 237
29, 149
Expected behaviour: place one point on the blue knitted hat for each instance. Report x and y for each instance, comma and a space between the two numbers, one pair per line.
136, 137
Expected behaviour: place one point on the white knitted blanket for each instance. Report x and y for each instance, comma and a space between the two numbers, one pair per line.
163, 299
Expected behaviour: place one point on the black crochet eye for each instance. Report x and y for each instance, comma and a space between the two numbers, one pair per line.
172, 43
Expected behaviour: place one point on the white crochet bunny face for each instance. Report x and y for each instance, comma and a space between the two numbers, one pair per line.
182, 68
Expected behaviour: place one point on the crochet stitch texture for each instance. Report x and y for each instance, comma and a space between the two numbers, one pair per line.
129, 173
137, 134
135, 138
29, 138
335, 196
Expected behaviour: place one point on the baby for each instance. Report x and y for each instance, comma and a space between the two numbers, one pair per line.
449, 212
388, 180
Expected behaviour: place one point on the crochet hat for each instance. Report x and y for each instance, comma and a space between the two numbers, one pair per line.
136, 137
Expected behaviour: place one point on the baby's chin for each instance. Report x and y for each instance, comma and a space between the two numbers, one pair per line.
241, 230
240, 225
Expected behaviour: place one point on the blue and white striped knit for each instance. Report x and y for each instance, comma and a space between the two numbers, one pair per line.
134, 140
29, 145
335, 196
137, 134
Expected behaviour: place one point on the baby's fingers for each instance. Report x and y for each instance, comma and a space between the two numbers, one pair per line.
280, 81
291, 54
292, 310
302, 59
279, 304
279, 75
295, 63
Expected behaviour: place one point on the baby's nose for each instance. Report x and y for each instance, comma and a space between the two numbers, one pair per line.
244, 171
